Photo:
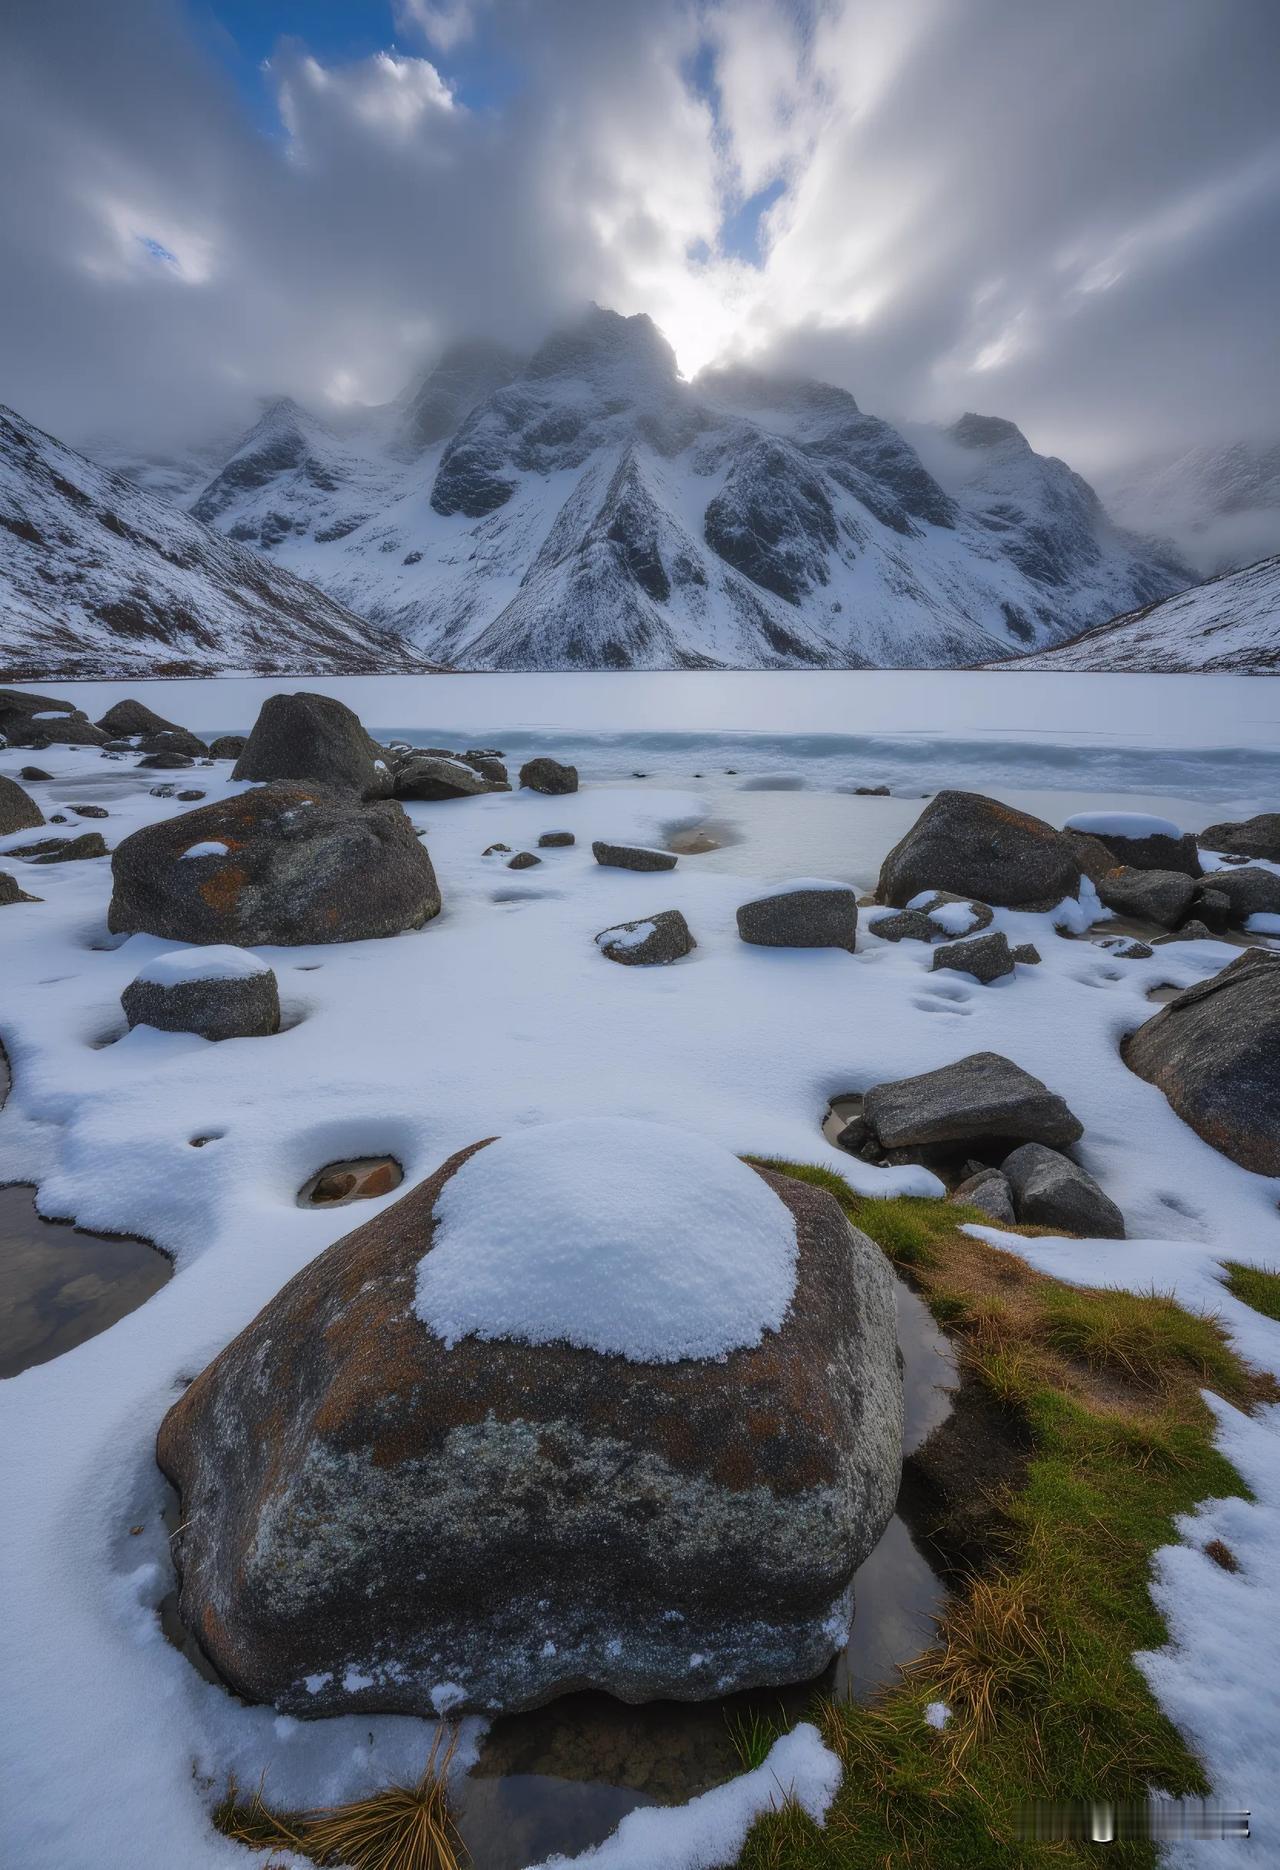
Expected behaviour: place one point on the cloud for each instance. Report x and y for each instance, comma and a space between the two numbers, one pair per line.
1066, 215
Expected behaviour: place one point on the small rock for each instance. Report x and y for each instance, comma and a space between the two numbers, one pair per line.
59, 818
492, 850
1190, 931
91, 811
163, 792
11, 893
989, 1192
632, 856
32, 773
801, 916
236, 998
982, 1096
484, 753
985, 957
1160, 896
907, 925
488, 768
653, 941
191, 796
1027, 953
556, 840
545, 775
1049, 1190
166, 761
334, 1186
855, 1137
952, 916
228, 746
433, 777
871, 792
523, 860
64, 850
1125, 947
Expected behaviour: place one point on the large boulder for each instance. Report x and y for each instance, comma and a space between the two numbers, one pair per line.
1050, 1190
1214, 1050
982, 1097
18, 810
284, 863
1139, 841
1249, 837
979, 848
1250, 890
549, 776
228, 746
218, 992
313, 737
437, 776
130, 719
28, 720
1159, 896
649, 943
802, 915
594, 1406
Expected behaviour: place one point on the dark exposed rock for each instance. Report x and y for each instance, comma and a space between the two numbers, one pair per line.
907, 925
488, 766
986, 957
523, 860
492, 850
11, 892
26, 729
871, 792
650, 942
982, 1096
1213, 909
173, 740
987, 1190
190, 796
1027, 953
19, 701
1248, 837
547, 775
18, 810
62, 850
1214, 1051
300, 864
1090, 853
91, 811
1159, 896
1124, 947
312, 737
980, 849
1049, 1190
228, 746
1249, 889
980, 914
432, 777
1190, 931
802, 916
166, 762
31, 774
773, 520
556, 840
632, 856
1155, 851
126, 719
241, 1005
374, 1521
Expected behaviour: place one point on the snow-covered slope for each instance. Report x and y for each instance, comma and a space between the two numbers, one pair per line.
98, 577
590, 509
1221, 504
1229, 625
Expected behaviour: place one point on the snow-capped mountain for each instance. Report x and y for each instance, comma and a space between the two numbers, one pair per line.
588, 508
1231, 625
98, 577
1221, 504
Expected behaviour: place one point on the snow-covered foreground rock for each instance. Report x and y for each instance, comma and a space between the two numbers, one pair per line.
499, 1014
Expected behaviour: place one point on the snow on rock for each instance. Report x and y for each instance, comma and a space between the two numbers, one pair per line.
1106, 825
710, 1830
216, 962
209, 847
616, 1235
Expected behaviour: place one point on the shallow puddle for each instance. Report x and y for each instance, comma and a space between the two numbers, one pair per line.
60, 1285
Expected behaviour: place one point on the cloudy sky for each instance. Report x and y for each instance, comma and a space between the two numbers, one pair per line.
1066, 212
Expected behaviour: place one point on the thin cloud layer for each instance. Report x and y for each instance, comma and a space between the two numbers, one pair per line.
1068, 215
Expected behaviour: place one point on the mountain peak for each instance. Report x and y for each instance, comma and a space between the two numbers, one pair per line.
606, 343
464, 375
974, 431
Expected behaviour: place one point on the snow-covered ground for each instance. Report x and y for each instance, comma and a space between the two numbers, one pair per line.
498, 1015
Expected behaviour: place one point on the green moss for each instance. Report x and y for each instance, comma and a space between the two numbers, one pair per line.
1035, 1660
1258, 1286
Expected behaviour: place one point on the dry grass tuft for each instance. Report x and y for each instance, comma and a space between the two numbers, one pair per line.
398, 1828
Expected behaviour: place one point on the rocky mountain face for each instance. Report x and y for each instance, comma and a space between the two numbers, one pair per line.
588, 508
1231, 625
1222, 504
98, 577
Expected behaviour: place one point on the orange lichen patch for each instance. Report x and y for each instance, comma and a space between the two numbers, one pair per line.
221, 892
